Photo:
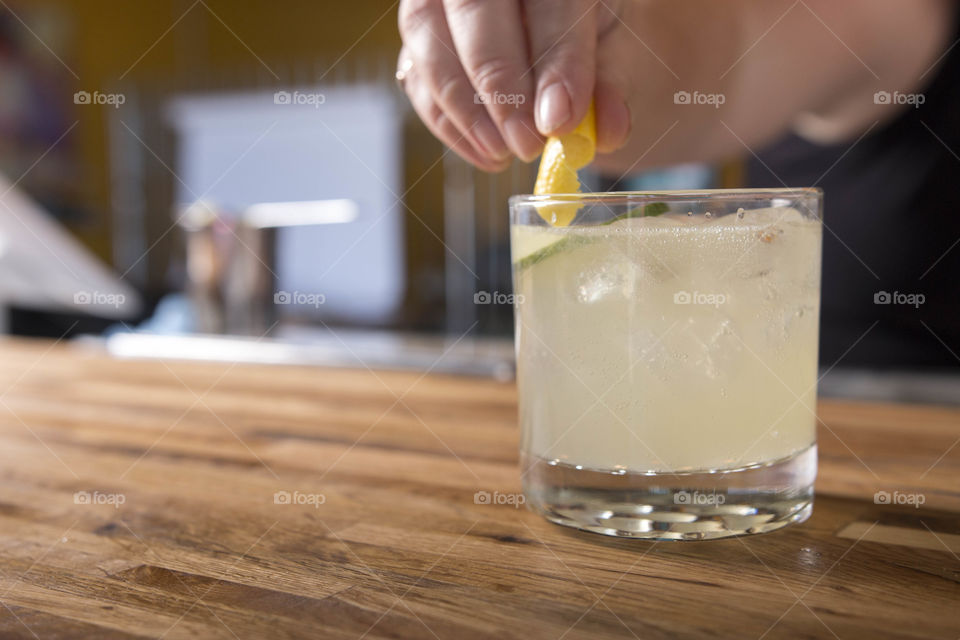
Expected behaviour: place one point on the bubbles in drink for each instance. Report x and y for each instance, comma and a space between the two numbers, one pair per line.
717, 316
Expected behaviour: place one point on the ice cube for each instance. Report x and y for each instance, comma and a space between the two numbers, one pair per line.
715, 352
613, 277
771, 215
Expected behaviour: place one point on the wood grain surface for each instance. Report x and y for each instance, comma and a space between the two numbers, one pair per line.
140, 499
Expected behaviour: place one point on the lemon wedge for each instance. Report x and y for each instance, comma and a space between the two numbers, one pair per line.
562, 157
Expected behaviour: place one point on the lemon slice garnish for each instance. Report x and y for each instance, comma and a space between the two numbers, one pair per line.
562, 157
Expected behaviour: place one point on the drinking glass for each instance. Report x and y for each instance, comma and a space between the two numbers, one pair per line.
667, 359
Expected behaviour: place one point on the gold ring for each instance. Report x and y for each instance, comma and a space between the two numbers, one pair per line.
403, 68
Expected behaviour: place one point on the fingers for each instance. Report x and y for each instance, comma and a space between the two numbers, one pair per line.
493, 76
443, 127
563, 40
437, 71
614, 91
489, 38
613, 117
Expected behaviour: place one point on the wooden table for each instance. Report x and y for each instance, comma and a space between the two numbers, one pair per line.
140, 499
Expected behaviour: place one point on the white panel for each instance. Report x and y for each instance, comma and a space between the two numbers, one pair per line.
241, 149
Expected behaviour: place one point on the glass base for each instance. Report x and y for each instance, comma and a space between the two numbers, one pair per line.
674, 506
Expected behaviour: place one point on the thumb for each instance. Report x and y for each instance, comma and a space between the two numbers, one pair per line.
563, 42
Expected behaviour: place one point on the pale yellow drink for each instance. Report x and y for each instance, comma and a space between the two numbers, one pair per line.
672, 343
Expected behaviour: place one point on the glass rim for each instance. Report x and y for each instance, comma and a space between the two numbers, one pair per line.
668, 195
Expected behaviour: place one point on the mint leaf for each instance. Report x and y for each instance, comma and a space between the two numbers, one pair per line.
655, 209
651, 210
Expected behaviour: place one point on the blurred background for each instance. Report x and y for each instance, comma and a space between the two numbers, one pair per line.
244, 181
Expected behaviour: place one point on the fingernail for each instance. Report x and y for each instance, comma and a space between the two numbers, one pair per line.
621, 117
489, 138
522, 137
553, 108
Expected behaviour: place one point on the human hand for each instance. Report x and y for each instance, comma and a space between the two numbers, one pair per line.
491, 78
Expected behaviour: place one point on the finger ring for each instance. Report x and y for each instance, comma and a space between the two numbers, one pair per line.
403, 69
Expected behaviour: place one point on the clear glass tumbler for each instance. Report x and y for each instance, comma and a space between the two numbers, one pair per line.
667, 359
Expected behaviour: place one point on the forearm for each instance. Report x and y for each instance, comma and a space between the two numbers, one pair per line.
773, 64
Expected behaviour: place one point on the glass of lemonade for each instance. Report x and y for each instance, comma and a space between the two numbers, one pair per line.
667, 359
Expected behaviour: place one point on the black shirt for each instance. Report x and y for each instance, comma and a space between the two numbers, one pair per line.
891, 230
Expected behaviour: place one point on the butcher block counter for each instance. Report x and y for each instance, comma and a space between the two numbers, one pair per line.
167, 499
